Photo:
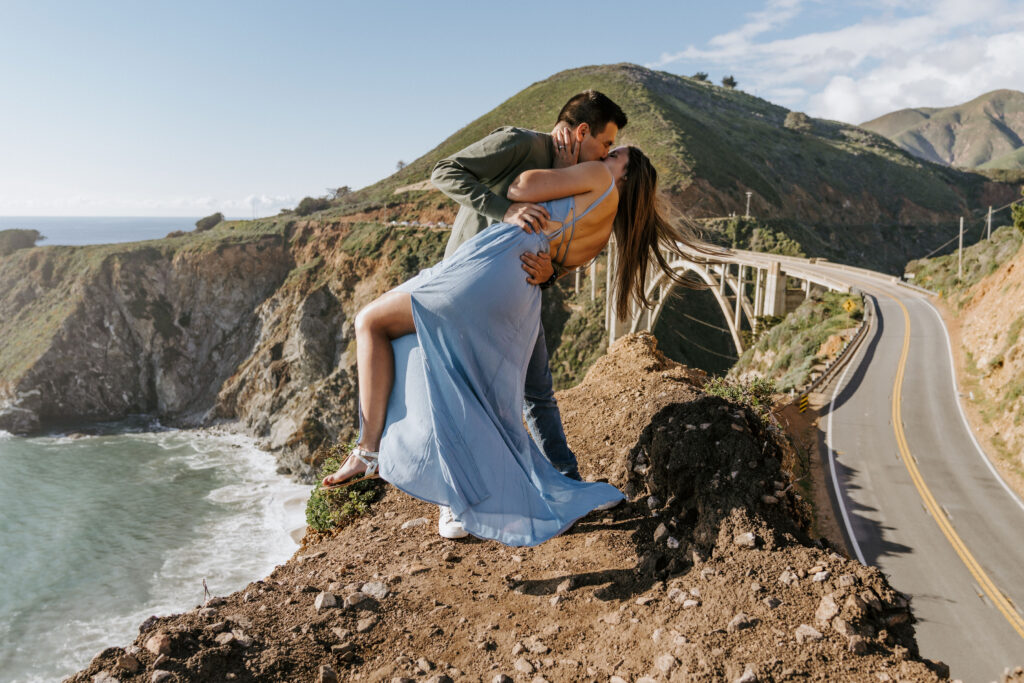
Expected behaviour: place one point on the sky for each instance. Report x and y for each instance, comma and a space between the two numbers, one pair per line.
185, 108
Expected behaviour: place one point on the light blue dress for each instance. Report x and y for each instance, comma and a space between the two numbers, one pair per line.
454, 432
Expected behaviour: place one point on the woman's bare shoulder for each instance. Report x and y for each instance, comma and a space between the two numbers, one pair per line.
598, 170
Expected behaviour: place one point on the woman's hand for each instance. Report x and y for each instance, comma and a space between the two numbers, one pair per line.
538, 267
567, 149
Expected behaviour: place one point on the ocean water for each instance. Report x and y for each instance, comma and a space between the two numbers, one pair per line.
99, 532
77, 230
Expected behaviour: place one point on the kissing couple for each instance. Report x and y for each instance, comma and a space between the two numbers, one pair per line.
453, 362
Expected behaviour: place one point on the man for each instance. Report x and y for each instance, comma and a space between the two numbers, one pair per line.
478, 177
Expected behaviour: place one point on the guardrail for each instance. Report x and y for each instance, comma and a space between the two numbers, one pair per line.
851, 345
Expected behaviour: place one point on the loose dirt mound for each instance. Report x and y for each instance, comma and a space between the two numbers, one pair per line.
706, 573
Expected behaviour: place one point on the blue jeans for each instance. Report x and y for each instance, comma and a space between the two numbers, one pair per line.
540, 411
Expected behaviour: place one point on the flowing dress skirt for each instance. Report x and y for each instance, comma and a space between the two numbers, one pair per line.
454, 433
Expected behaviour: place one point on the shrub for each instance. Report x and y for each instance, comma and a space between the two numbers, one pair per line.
310, 205
330, 509
798, 121
755, 393
729, 82
15, 239
700, 76
208, 223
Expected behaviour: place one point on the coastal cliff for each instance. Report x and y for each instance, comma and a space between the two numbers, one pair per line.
249, 322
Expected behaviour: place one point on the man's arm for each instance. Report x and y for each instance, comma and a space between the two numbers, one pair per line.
464, 176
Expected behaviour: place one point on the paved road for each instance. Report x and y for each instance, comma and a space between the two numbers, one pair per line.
940, 523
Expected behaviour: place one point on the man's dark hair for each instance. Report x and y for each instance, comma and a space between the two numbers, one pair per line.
593, 108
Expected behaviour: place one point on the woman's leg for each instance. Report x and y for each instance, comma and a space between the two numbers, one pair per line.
387, 317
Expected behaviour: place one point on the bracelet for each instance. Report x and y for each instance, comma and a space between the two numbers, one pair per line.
550, 281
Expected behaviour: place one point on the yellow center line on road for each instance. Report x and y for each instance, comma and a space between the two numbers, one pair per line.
986, 583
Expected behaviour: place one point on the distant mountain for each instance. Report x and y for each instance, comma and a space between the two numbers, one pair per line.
985, 133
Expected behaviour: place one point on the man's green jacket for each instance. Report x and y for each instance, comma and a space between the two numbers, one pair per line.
478, 177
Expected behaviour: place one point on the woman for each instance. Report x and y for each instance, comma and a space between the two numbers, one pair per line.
442, 357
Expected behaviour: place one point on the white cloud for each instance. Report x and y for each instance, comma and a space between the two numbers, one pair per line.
901, 53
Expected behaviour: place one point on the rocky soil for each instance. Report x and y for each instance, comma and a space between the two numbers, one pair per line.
705, 573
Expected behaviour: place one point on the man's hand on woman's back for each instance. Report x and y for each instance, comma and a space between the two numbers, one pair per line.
528, 216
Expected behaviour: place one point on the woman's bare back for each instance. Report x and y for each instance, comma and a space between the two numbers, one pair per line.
592, 230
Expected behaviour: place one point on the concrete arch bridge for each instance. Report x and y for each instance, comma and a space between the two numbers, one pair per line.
746, 285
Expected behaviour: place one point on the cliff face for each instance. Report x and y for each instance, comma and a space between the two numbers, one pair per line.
249, 323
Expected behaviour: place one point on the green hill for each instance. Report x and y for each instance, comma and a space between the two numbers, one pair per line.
987, 132
835, 189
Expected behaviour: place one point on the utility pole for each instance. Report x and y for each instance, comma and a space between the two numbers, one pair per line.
747, 214
960, 253
988, 223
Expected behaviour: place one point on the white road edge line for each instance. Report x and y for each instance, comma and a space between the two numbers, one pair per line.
832, 465
963, 416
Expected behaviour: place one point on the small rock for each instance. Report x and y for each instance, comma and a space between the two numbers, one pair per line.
821, 576
661, 533
666, 663
160, 676
843, 627
745, 540
827, 609
439, 678
241, 638
806, 633
417, 569
424, 664
313, 556
691, 603
159, 644
327, 675
566, 586
847, 580
128, 663
537, 647
451, 556
354, 599
855, 609
645, 600
225, 638
857, 645
767, 500
324, 601
672, 542
695, 592
788, 578
523, 666
518, 649
749, 676
366, 625
675, 595
653, 503
617, 679
377, 590
755, 587
739, 622
105, 677
501, 678
815, 569
207, 612
772, 603
554, 600
869, 598
412, 523
217, 627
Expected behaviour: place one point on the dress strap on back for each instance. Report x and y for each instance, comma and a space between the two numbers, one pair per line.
559, 256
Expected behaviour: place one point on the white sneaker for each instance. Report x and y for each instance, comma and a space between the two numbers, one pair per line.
449, 526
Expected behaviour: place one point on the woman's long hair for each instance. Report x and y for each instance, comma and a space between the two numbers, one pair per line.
641, 231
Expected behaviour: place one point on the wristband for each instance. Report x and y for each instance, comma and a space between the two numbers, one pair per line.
550, 281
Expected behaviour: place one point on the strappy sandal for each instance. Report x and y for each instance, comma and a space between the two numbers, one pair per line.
368, 458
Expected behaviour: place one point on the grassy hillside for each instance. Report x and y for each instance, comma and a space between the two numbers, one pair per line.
987, 132
979, 260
